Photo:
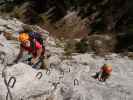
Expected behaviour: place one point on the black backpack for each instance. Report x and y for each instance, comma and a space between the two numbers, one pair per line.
36, 36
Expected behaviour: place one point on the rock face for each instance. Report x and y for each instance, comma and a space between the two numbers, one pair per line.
102, 44
10, 24
66, 79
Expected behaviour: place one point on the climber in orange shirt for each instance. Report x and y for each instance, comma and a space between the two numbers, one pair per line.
104, 72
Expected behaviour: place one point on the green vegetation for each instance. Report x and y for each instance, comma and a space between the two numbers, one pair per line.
69, 48
82, 46
103, 15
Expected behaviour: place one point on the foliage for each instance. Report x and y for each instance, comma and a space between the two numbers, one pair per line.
69, 48
7, 8
103, 15
82, 46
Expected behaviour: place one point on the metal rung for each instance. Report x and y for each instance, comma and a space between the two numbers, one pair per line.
76, 82
39, 75
14, 81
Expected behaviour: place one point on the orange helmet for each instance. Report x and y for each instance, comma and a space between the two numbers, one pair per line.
107, 68
23, 37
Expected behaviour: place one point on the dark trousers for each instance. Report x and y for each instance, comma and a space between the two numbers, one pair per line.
102, 76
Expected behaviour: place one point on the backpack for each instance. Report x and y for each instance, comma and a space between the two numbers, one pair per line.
40, 37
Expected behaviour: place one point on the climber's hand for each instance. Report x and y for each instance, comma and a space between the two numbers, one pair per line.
33, 60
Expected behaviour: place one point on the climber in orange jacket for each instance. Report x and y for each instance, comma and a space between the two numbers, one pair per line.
104, 72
